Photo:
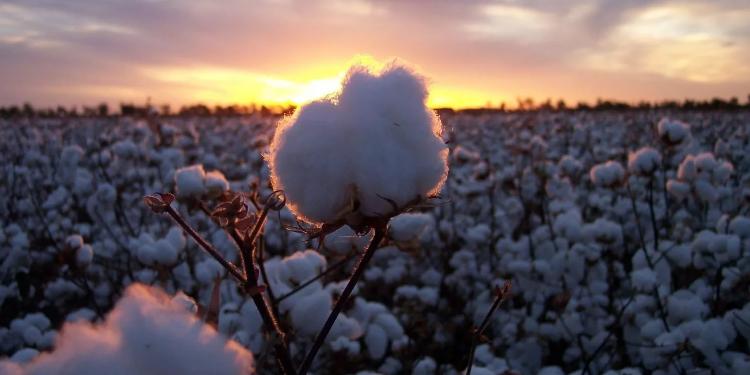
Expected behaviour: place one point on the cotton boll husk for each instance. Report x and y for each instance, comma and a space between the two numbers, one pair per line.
144, 334
376, 141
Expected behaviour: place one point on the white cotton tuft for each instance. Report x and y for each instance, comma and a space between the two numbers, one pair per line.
678, 189
215, 183
146, 333
607, 174
644, 162
189, 181
375, 141
673, 132
84, 255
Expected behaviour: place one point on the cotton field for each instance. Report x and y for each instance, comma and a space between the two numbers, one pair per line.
625, 236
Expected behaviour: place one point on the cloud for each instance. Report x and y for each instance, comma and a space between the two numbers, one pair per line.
693, 42
475, 50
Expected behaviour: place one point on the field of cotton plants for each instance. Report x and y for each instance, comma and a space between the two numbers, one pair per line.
625, 236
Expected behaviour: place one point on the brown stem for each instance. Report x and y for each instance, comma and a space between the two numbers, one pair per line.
356, 275
500, 296
231, 268
250, 284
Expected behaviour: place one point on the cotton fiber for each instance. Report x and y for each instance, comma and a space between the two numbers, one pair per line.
372, 145
146, 334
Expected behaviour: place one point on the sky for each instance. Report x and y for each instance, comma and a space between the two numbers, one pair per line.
473, 52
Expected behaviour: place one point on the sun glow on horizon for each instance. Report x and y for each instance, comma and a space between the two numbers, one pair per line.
224, 86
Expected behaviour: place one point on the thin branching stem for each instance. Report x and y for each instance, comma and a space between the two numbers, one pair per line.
328, 270
500, 295
231, 268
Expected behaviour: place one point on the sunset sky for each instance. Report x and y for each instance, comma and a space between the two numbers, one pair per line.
81, 52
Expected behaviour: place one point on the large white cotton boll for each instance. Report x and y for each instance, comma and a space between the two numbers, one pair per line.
190, 181
373, 145
376, 340
306, 164
310, 312
145, 333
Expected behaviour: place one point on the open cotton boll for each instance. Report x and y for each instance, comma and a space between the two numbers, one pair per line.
672, 132
145, 334
190, 181
409, 227
84, 255
215, 183
678, 189
607, 174
644, 162
310, 312
375, 141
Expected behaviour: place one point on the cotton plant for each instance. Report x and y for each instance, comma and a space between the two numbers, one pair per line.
390, 157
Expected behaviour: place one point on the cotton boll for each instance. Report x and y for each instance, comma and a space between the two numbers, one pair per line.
74, 242
673, 132
375, 142
346, 327
569, 166
176, 238
316, 179
723, 172
84, 255
390, 325
376, 341
215, 183
683, 305
607, 174
643, 279
740, 226
343, 344
144, 334
410, 227
304, 265
678, 189
687, 171
24, 355
425, 366
207, 271
190, 181
705, 191
644, 162
310, 312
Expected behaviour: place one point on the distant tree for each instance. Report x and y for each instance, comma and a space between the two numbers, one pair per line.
103, 109
561, 106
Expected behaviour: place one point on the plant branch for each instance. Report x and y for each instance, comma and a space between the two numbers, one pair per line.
359, 269
501, 295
